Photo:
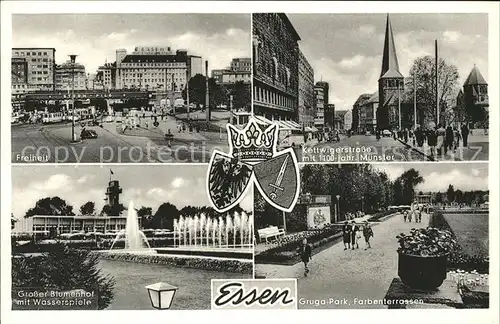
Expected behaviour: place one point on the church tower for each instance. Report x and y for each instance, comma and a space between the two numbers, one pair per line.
390, 84
476, 97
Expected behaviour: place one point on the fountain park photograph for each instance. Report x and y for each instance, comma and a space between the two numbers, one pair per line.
122, 238
381, 236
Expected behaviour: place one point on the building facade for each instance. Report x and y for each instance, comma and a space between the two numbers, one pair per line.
65, 73
319, 104
326, 88
241, 64
275, 67
70, 224
38, 67
348, 120
390, 83
330, 115
306, 92
150, 68
368, 114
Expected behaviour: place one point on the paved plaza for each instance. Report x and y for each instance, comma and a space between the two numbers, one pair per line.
335, 273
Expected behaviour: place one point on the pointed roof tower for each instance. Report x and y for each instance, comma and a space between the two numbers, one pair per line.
390, 66
475, 78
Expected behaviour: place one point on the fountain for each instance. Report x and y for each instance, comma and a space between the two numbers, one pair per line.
134, 237
226, 236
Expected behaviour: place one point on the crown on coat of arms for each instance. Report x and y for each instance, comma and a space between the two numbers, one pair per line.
252, 143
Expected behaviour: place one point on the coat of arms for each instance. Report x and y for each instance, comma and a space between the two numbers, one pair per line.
253, 157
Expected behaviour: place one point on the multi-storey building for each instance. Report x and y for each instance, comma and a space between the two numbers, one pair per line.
319, 119
306, 92
66, 73
19, 76
390, 84
368, 114
239, 71
326, 89
348, 120
38, 65
275, 67
329, 115
151, 68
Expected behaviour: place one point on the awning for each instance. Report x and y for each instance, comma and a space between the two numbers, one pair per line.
283, 124
308, 129
314, 129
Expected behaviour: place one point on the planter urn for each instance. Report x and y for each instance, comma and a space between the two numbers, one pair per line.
422, 273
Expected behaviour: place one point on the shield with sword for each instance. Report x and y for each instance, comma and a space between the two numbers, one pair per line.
277, 180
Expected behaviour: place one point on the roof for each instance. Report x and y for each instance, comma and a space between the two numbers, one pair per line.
340, 113
287, 22
154, 58
390, 65
33, 48
362, 99
475, 77
373, 98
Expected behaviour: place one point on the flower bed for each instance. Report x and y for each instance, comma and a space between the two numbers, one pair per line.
284, 249
191, 262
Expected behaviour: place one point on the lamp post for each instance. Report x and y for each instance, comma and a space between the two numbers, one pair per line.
362, 204
187, 93
73, 135
338, 207
161, 295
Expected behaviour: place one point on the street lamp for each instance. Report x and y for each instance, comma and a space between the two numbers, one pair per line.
73, 58
338, 207
362, 204
161, 295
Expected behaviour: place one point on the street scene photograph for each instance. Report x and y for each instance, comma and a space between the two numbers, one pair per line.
381, 236
365, 88
98, 238
120, 88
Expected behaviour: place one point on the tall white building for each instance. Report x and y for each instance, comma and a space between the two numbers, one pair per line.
65, 73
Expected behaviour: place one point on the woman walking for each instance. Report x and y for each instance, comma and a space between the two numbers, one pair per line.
354, 235
367, 233
346, 234
440, 133
457, 137
305, 252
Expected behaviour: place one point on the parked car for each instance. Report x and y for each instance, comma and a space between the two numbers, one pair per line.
386, 133
88, 133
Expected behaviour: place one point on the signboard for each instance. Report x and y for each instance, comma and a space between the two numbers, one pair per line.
318, 216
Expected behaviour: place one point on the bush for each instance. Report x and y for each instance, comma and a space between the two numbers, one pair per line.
63, 269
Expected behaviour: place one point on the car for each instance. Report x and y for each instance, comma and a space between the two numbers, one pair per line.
386, 133
367, 133
88, 133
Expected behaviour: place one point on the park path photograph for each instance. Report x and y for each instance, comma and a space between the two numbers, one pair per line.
381, 236
374, 87
92, 237
121, 88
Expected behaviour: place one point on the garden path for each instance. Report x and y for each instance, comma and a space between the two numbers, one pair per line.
352, 274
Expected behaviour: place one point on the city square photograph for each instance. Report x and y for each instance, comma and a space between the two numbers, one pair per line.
95, 238
381, 236
364, 87
120, 88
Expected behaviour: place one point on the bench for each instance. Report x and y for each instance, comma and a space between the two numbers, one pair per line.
269, 232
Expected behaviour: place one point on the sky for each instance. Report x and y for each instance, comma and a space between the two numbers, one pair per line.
438, 176
96, 37
147, 186
346, 49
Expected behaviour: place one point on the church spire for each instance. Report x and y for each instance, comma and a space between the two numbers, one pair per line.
390, 66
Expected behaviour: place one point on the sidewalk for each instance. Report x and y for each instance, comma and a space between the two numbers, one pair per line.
477, 150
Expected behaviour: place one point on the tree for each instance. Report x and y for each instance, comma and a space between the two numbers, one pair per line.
63, 268
450, 193
423, 69
115, 210
145, 213
88, 209
13, 221
164, 216
51, 206
242, 96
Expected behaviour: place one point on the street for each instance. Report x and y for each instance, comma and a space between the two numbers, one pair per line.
357, 276
51, 144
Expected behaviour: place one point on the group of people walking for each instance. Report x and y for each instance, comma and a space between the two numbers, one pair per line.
413, 215
351, 233
440, 140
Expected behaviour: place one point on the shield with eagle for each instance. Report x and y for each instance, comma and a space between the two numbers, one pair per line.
277, 180
228, 180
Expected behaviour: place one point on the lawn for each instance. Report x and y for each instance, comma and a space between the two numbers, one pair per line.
471, 232
131, 279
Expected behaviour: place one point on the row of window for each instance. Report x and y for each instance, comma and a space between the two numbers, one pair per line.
152, 74
41, 66
153, 64
39, 60
273, 98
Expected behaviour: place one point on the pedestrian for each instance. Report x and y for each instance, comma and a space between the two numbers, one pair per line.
404, 216
146, 123
420, 216
465, 135
410, 216
448, 139
305, 253
456, 135
412, 136
405, 135
367, 233
440, 134
354, 235
346, 234
432, 140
